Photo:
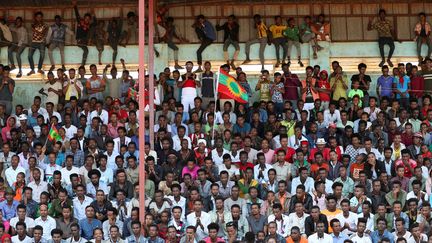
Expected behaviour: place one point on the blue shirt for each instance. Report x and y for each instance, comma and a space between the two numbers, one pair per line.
132, 239
209, 30
245, 129
402, 87
9, 211
386, 84
376, 237
88, 227
340, 239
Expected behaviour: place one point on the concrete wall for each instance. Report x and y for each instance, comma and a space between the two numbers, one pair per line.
350, 54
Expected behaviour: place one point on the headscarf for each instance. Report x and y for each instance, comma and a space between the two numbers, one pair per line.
326, 75
4, 237
6, 130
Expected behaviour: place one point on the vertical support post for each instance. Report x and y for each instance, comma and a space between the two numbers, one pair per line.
141, 117
151, 69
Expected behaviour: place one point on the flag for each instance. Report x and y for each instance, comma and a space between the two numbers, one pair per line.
53, 134
230, 87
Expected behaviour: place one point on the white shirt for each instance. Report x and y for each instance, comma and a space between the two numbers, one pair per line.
47, 117
177, 142
38, 189
326, 238
79, 208
369, 223
421, 201
181, 203
117, 143
71, 131
231, 171
11, 174
30, 223
47, 225
294, 143
66, 174
217, 160
372, 115
264, 172
309, 184
357, 239
27, 239
205, 221
423, 238
332, 118
351, 220
107, 176
103, 116
378, 155
49, 170
111, 160
6, 160
294, 220
283, 227
407, 235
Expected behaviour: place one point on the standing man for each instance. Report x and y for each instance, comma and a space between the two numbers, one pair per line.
208, 85
56, 39
7, 86
422, 31
386, 35
291, 83
292, 34
40, 32
364, 81
95, 85
261, 38
206, 33
19, 43
83, 30
278, 39
231, 37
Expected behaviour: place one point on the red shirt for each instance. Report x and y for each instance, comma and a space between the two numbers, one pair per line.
324, 84
407, 139
121, 114
289, 153
417, 86
242, 167
325, 153
412, 163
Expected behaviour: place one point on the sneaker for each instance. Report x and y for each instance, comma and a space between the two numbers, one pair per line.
277, 64
199, 70
246, 61
232, 65
389, 63
31, 73
52, 68
300, 63
178, 67
12, 67
381, 64
19, 74
41, 71
315, 56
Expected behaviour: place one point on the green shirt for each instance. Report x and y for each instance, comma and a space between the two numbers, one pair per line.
348, 186
292, 33
354, 92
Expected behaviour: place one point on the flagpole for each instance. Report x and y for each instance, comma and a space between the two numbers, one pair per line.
215, 96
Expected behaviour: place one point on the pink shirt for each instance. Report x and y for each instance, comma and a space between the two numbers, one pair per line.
269, 156
218, 240
193, 172
112, 130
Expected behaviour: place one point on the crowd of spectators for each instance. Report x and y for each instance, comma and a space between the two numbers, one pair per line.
312, 160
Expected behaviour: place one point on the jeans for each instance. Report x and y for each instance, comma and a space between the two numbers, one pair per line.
382, 41
8, 105
33, 47
19, 50
229, 42
51, 48
263, 44
173, 47
83, 45
297, 46
280, 42
114, 46
427, 41
204, 44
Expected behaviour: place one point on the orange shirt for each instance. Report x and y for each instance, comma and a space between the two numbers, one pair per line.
290, 240
330, 216
315, 167
355, 170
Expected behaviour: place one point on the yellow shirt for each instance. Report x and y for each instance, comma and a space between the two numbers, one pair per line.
277, 30
340, 91
261, 30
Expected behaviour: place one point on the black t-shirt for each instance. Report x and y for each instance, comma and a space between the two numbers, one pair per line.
207, 82
5, 93
366, 78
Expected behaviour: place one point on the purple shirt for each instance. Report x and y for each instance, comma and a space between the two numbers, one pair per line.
386, 84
